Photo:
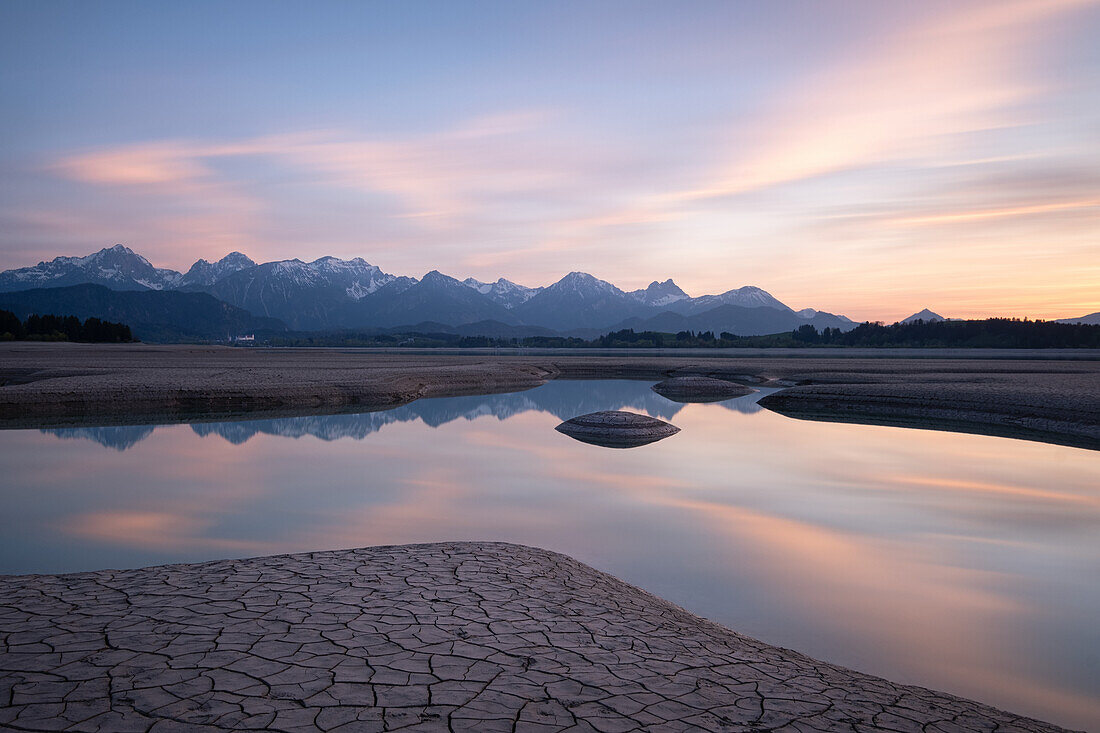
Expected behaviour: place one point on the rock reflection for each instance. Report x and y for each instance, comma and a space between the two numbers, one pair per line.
617, 429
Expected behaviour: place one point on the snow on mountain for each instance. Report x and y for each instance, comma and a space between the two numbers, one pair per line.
580, 300
357, 278
437, 279
333, 293
118, 268
204, 273
436, 298
584, 286
504, 292
925, 315
474, 283
305, 295
365, 277
660, 294
748, 296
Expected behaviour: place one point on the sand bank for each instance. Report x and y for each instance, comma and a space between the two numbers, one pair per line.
53, 385
459, 636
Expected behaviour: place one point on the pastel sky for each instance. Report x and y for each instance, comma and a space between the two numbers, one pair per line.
866, 158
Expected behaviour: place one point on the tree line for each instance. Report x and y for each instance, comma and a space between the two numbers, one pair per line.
62, 328
991, 333
1004, 333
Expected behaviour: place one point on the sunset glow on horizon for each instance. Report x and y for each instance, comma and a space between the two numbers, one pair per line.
869, 159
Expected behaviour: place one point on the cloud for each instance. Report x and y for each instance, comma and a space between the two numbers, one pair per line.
901, 97
431, 175
475, 194
136, 165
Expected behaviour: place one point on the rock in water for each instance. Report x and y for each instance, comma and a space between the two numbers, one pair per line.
617, 429
699, 389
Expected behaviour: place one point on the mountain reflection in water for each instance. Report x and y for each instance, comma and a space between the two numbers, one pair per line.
562, 399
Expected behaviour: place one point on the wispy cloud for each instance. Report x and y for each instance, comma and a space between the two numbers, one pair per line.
147, 164
905, 96
435, 174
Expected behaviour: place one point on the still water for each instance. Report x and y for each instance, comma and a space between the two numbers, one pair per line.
965, 563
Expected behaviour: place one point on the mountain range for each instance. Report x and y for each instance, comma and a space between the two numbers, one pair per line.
332, 294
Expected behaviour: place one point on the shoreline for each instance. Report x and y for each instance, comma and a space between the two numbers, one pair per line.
445, 636
59, 385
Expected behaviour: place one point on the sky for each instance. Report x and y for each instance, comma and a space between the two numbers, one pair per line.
865, 158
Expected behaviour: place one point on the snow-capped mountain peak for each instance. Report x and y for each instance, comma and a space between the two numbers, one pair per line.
584, 285
204, 273
435, 278
505, 292
752, 296
483, 288
117, 267
355, 278
748, 296
660, 294
335, 264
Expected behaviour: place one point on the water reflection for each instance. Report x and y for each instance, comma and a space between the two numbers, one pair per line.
960, 562
617, 429
565, 400
119, 437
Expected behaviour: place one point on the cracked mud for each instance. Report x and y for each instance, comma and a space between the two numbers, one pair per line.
460, 636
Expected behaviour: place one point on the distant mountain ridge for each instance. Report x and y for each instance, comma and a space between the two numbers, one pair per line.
925, 315
1092, 319
329, 294
736, 319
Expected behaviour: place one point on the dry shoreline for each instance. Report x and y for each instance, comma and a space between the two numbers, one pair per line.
440, 637
56, 385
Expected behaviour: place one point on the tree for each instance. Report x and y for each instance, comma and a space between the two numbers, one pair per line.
805, 333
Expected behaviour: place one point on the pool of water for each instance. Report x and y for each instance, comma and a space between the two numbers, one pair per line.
964, 563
